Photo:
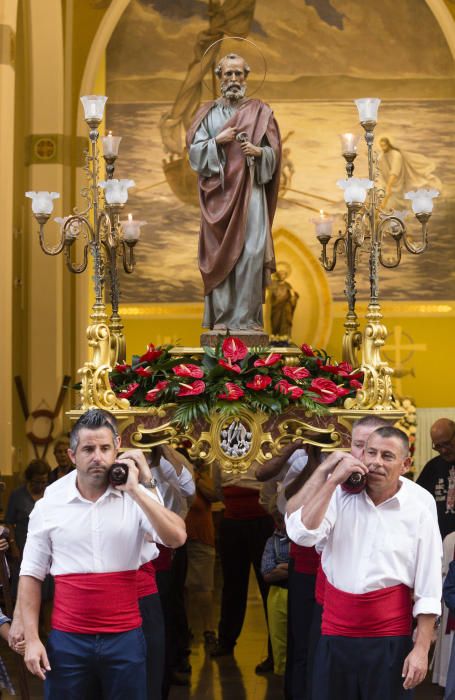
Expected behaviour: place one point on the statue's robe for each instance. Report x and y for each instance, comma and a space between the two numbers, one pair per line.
238, 203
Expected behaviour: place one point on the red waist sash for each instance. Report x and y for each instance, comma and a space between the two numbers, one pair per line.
306, 559
242, 503
146, 580
96, 603
320, 585
386, 612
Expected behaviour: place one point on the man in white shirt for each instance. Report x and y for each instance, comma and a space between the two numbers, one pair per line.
90, 535
380, 545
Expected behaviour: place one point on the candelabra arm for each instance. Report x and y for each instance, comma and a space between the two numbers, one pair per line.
72, 267
339, 243
129, 262
49, 250
409, 245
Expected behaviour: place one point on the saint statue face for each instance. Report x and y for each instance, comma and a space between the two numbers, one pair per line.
385, 145
233, 79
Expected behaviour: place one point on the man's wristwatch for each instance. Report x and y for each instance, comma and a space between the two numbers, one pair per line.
150, 483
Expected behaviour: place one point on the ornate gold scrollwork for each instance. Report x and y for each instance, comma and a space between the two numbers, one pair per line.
96, 390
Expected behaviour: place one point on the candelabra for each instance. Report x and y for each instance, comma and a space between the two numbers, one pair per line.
369, 227
98, 228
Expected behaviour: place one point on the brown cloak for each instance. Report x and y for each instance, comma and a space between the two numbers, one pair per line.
224, 212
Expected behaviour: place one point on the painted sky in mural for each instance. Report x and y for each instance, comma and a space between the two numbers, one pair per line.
335, 51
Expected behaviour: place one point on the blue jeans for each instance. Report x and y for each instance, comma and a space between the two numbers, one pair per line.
84, 664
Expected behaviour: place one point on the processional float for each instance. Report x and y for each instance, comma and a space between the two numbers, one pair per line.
233, 404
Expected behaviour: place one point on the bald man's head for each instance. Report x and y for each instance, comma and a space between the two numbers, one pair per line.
443, 438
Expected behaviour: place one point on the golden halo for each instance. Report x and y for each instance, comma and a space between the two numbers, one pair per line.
227, 39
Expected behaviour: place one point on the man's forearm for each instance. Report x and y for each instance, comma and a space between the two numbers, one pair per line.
314, 511
424, 632
28, 604
314, 484
169, 526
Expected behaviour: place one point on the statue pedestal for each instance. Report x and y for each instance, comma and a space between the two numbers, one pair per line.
253, 339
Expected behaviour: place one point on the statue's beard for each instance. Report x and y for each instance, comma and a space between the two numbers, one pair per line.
233, 91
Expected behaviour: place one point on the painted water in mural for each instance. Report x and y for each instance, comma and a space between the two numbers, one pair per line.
311, 111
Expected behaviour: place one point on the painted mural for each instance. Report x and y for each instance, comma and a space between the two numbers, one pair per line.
320, 55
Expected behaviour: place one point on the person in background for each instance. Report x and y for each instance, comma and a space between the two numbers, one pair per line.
438, 475
274, 568
448, 593
64, 464
201, 553
22, 501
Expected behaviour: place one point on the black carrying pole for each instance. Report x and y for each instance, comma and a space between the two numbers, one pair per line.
9, 609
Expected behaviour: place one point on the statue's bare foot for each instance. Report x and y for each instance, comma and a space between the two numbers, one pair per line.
219, 327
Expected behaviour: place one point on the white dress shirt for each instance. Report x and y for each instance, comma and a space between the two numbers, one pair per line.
68, 534
272, 492
174, 488
370, 547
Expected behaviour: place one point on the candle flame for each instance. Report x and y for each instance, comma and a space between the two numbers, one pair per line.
130, 217
109, 133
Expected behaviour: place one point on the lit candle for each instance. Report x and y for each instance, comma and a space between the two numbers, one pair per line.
111, 145
323, 225
132, 229
349, 143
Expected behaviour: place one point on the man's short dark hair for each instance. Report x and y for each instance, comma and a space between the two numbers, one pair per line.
37, 467
370, 422
94, 419
390, 432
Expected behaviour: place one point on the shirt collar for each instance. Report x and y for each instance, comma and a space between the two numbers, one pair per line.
397, 500
73, 493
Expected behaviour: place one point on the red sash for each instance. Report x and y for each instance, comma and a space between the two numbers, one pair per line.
306, 559
96, 603
320, 585
242, 503
386, 612
146, 580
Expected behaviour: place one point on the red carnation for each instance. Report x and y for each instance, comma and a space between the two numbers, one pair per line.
143, 372
271, 359
296, 373
151, 355
327, 390
122, 367
188, 371
153, 393
233, 392
259, 382
129, 391
307, 350
230, 366
197, 387
233, 349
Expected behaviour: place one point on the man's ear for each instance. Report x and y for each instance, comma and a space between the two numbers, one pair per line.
405, 467
71, 455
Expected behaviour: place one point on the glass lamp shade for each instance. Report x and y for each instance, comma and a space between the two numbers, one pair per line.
355, 189
116, 191
422, 200
93, 107
72, 231
42, 202
323, 226
132, 229
111, 145
368, 108
349, 142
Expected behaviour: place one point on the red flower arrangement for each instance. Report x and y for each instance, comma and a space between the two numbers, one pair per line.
230, 375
